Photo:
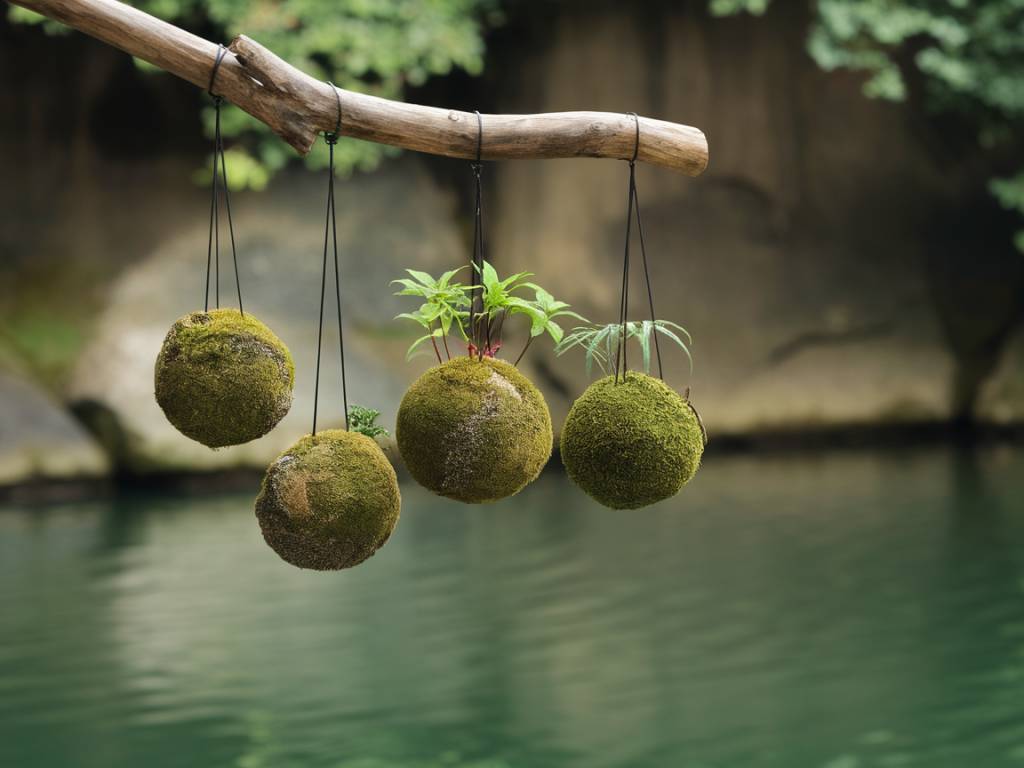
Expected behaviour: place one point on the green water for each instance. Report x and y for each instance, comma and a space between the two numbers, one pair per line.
846, 611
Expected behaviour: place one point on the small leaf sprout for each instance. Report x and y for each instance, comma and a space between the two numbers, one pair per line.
364, 421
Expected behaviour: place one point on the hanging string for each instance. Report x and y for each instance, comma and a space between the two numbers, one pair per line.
219, 169
477, 260
647, 279
633, 203
331, 233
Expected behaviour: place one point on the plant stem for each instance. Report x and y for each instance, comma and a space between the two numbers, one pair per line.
501, 325
433, 341
446, 351
516, 363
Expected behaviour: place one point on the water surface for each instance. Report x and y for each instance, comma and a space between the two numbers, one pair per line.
843, 611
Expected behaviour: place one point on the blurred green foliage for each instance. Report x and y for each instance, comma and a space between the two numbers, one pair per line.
372, 46
968, 56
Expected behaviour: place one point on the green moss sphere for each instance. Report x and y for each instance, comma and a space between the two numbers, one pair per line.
631, 444
223, 378
474, 430
329, 502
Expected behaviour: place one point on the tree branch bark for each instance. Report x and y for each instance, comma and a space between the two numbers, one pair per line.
298, 107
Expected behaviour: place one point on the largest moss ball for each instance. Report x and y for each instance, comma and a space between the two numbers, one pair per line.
474, 430
329, 502
223, 378
631, 444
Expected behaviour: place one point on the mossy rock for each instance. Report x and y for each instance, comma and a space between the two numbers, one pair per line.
631, 444
474, 430
329, 502
223, 378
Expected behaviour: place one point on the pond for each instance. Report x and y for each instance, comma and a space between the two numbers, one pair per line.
844, 610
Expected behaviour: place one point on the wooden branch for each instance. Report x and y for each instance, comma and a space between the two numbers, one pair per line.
298, 107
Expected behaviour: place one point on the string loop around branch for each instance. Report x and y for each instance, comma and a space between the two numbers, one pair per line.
221, 53
331, 137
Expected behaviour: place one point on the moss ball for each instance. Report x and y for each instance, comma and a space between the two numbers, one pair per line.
474, 430
223, 378
631, 444
329, 502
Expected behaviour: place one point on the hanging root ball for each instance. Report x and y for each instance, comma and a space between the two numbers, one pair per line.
631, 444
329, 502
223, 378
474, 430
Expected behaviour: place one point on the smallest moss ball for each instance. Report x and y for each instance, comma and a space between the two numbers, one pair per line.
223, 378
329, 502
631, 444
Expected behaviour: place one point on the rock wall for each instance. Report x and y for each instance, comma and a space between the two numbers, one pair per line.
806, 262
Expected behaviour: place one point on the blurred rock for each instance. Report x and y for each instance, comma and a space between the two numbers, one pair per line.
39, 440
1002, 397
388, 220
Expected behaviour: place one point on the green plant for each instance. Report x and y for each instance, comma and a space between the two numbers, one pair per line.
364, 421
601, 342
445, 303
449, 306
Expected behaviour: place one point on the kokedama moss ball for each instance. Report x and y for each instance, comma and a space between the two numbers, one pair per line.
474, 430
631, 444
223, 378
329, 502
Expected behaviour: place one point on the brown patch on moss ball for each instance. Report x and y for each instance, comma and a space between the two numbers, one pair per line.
223, 378
631, 444
329, 502
474, 430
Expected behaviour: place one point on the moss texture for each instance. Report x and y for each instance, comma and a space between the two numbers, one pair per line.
474, 430
631, 444
223, 378
329, 502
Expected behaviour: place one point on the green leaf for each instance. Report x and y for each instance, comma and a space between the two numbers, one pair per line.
415, 317
566, 313
645, 343
423, 278
489, 276
666, 332
666, 323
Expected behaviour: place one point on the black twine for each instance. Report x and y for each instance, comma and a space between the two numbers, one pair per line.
331, 233
219, 170
481, 340
634, 204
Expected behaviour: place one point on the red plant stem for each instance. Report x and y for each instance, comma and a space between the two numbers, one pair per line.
433, 341
516, 363
501, 325
446, 351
